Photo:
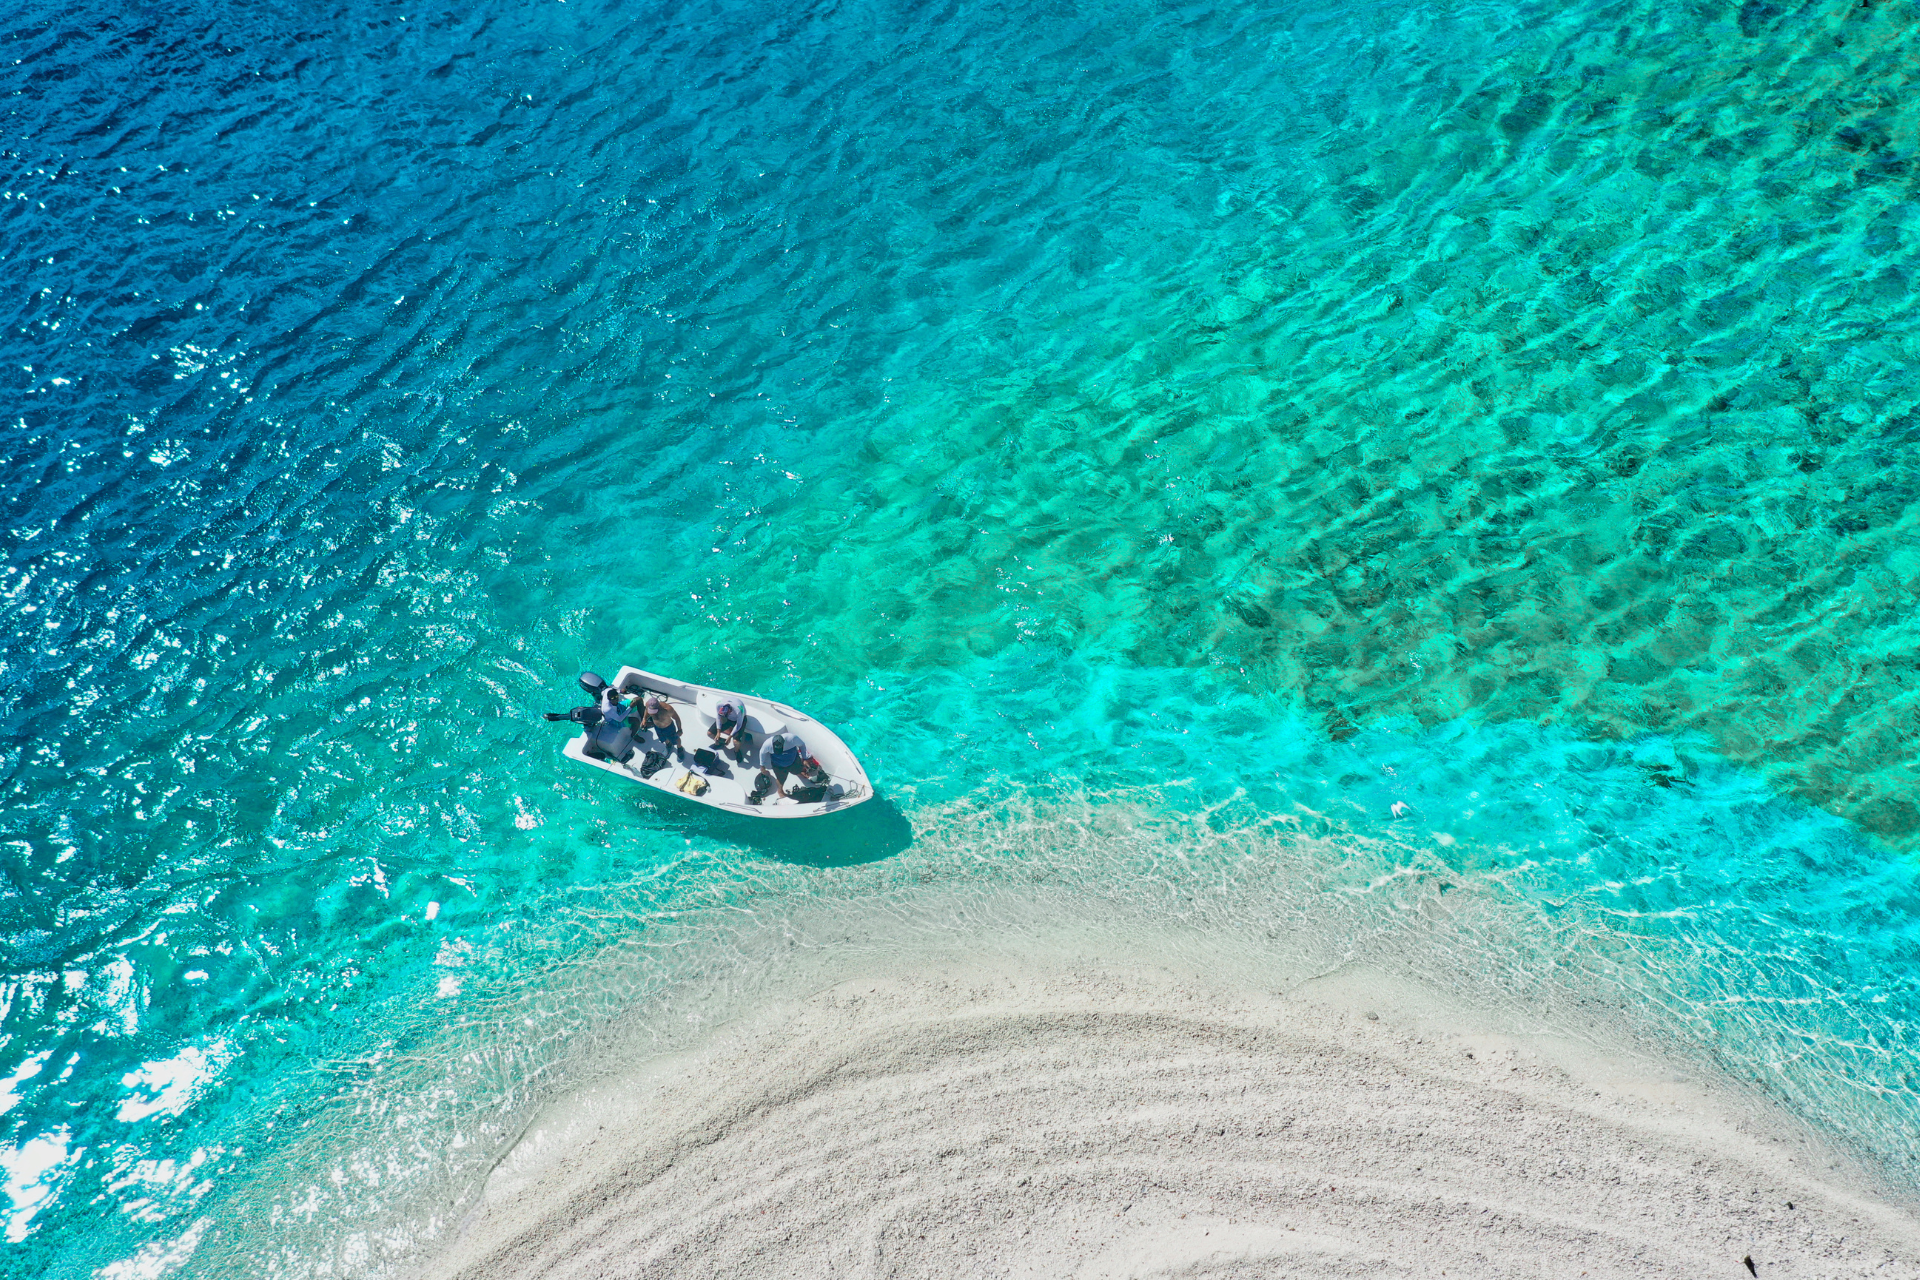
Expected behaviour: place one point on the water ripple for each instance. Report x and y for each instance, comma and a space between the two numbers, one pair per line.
1506, 405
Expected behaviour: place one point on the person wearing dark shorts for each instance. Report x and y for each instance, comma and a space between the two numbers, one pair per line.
785, 751
665, 723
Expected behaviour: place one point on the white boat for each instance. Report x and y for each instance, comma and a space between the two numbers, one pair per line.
728, 782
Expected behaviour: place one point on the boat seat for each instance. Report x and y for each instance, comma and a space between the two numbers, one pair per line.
704, 707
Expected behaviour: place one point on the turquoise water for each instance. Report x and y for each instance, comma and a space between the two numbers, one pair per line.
1161, 440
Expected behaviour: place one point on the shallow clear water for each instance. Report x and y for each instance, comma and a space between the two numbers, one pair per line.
1162, 440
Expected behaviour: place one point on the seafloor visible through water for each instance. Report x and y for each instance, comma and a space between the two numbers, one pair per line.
1420, 484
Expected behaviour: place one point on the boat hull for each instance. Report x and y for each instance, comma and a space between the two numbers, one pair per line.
729, 784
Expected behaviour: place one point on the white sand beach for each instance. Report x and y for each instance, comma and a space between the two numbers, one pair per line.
1076, 1118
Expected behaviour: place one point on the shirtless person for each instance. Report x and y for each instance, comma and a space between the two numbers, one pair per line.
665, 723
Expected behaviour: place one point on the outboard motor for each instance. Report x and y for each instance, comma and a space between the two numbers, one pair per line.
587, 717
609, 734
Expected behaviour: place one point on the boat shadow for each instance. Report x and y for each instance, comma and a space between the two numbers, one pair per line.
865, 833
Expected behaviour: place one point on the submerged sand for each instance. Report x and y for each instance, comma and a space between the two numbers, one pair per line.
1083, 1120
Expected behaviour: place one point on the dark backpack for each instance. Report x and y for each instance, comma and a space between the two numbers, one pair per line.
654, 762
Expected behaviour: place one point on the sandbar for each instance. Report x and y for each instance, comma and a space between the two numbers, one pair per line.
1049, 1118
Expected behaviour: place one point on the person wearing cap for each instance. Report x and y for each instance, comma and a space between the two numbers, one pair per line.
785, 751
615, 711
664, 721
729, 731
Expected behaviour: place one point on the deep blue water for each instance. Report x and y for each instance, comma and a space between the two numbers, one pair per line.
1162, 440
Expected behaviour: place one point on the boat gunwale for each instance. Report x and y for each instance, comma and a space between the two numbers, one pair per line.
652, 681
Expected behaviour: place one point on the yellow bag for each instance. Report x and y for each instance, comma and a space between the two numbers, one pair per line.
691, 783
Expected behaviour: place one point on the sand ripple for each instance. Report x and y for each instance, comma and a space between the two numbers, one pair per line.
1090, 1123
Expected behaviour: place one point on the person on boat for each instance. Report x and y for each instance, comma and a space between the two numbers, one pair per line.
615, 711
660, 717
611, 726
729, 731
785, 751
